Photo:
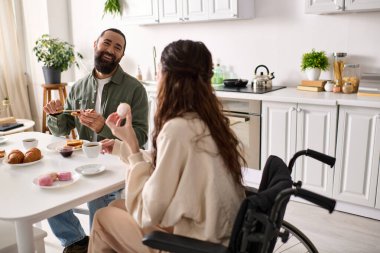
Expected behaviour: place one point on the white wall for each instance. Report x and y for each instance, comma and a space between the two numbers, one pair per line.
277, 37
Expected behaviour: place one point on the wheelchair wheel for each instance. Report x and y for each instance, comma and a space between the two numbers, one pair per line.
298, 241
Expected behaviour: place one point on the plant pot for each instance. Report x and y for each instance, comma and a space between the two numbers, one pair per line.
51, 75
313, 73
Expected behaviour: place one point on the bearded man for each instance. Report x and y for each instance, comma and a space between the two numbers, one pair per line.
96, 96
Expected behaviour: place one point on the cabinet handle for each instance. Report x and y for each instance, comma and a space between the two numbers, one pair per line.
180, 19
299, 109
292, 109
156, 20
186, 18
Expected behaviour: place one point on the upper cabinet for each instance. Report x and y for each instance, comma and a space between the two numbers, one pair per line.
174, 11
179, 11
341, 6
141, 12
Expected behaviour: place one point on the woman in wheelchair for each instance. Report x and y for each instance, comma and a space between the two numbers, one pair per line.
191, 182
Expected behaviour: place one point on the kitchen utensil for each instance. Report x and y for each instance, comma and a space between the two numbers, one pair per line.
262, 81
238, 83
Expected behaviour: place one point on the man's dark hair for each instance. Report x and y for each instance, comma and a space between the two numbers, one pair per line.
115, 31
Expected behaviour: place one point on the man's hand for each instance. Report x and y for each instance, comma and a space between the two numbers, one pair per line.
53, 107
107, 146
92, 119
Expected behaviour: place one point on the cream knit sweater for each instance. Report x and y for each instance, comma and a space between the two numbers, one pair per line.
190, 189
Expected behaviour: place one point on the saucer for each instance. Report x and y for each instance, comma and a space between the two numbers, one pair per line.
90, 169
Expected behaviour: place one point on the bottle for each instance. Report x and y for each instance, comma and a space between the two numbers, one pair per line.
218, 73
351, 74
139, 75
339, 59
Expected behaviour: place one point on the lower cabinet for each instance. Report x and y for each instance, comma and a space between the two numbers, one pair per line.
358, 155
290, 127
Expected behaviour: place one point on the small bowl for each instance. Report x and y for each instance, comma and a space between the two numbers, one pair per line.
66, 151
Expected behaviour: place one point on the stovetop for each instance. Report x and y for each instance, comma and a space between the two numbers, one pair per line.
248, 89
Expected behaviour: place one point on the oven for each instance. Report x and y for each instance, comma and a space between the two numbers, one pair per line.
245, 120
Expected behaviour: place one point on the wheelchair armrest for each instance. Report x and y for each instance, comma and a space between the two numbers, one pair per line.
181, 244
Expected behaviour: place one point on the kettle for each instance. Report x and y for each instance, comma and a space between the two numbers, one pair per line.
262, 81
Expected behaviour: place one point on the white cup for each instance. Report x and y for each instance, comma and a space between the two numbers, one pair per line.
29, 143
91, 149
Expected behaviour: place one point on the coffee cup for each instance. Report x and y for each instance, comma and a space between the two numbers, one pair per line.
29, 143
91, 149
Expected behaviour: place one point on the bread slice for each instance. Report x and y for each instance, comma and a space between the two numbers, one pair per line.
74, 143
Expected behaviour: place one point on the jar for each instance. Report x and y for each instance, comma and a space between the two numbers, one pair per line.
339, 60
351, 74
329, 86
347, 88
337, 88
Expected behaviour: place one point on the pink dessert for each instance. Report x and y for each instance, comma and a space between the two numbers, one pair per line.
64, 176
45, 180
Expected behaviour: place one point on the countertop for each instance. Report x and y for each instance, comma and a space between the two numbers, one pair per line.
292, 95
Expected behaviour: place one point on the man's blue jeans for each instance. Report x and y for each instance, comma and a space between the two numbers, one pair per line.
66, 226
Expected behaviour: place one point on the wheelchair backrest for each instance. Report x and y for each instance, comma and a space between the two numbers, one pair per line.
253, 232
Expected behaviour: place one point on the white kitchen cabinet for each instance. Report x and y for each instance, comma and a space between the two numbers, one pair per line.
341, 6
141, 12
174, 11
231, 9
358, 154
290, 127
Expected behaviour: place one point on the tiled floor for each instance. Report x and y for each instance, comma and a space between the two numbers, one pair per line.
331, 233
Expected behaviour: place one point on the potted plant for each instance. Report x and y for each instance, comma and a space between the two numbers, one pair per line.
313, 62
56, 56
112, 7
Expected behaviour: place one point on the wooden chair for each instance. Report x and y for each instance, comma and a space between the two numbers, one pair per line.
47, 90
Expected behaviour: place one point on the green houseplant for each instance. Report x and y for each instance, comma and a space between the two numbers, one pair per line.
112, 7
313, 62
56, 55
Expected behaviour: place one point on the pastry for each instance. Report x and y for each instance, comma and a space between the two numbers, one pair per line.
2, 153
45, 180
64, 176
32, 155
122, 110
74, 143
75, 114
54, 176
15, 157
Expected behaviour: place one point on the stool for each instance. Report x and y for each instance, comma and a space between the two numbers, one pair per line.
8, 242
48, 88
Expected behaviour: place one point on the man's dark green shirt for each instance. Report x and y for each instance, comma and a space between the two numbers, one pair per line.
122, 88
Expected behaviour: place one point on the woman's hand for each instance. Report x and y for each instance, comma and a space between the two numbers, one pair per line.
107, 146
125, 133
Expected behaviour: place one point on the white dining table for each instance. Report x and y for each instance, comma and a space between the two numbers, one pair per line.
25, 203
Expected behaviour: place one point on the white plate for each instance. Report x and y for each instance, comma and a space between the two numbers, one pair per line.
53, 147
58, 184
22, 164
3, 139
90, 169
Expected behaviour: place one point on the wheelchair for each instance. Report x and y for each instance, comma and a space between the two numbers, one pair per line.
259, 226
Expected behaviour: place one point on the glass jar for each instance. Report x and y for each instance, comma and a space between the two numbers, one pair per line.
351, 74
347, 88
339, 60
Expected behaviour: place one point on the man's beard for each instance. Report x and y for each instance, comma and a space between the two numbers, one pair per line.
105, 67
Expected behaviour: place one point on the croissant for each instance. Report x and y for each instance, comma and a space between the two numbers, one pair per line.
15, 157
33, 154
